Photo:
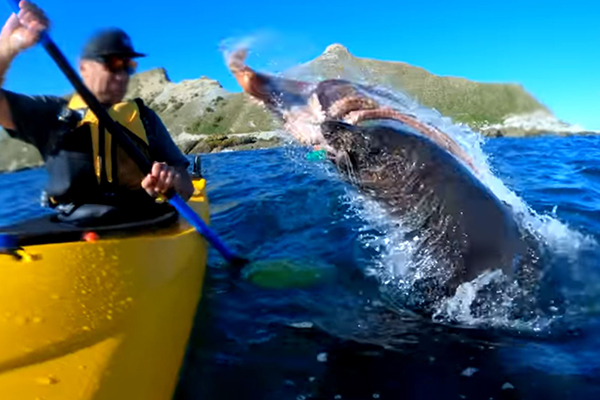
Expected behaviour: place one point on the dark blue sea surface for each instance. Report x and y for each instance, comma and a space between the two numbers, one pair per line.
321, 328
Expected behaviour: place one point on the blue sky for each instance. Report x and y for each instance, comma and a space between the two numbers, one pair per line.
551, 48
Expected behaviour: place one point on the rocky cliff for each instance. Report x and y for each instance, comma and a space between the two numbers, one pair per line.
202, 116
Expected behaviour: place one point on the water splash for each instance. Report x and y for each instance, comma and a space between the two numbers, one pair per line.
400, 265
558, 235
269, 48
489, 300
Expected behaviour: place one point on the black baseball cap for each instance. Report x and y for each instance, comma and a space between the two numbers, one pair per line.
109, 42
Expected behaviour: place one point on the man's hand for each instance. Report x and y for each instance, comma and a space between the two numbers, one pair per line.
22, 31
163, 177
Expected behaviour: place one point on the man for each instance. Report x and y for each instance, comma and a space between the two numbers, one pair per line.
85, 166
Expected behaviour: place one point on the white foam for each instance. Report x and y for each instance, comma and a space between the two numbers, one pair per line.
459, 307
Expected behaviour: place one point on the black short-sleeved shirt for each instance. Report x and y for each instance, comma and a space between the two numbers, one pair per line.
37, 122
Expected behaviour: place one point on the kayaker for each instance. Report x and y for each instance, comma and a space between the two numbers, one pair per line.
89, 174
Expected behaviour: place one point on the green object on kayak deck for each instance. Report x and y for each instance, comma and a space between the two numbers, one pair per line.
287, 274
316, 155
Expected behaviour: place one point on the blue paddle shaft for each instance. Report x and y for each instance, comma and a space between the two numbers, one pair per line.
197, 222
118, 132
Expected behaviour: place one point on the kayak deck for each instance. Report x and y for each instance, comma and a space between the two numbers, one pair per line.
107, 319
46, 230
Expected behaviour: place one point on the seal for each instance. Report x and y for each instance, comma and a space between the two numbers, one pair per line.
418, 173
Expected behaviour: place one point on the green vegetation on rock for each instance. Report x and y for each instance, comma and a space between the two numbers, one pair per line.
464, 101
199, 106
15, 155
234, 114
218, 142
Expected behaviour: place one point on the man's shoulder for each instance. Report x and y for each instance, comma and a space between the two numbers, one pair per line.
51, 98
144, 107
150, 117
162, 146
40, 99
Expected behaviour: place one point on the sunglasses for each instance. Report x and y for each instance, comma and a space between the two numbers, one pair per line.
117, 64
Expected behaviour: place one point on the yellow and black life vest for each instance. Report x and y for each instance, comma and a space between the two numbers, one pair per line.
110, 160
87, 164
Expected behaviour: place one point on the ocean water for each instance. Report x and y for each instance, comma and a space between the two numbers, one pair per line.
323, 327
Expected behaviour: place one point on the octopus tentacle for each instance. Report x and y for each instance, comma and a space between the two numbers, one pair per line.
434, 134
343, 106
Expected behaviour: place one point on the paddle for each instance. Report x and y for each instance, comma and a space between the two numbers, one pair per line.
118, 133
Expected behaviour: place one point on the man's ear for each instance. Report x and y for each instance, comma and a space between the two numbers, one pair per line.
82, 66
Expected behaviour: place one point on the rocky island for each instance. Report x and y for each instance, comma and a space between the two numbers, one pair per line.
203, 117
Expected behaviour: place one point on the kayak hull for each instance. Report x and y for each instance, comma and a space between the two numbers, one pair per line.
106, 319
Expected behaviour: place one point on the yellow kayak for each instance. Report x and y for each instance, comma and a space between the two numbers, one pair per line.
101, 319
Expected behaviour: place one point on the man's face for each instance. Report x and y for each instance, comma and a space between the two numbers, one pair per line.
107, 79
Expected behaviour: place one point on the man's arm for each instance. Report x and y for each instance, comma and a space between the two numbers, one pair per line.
170, 167
19, 33
6, 119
